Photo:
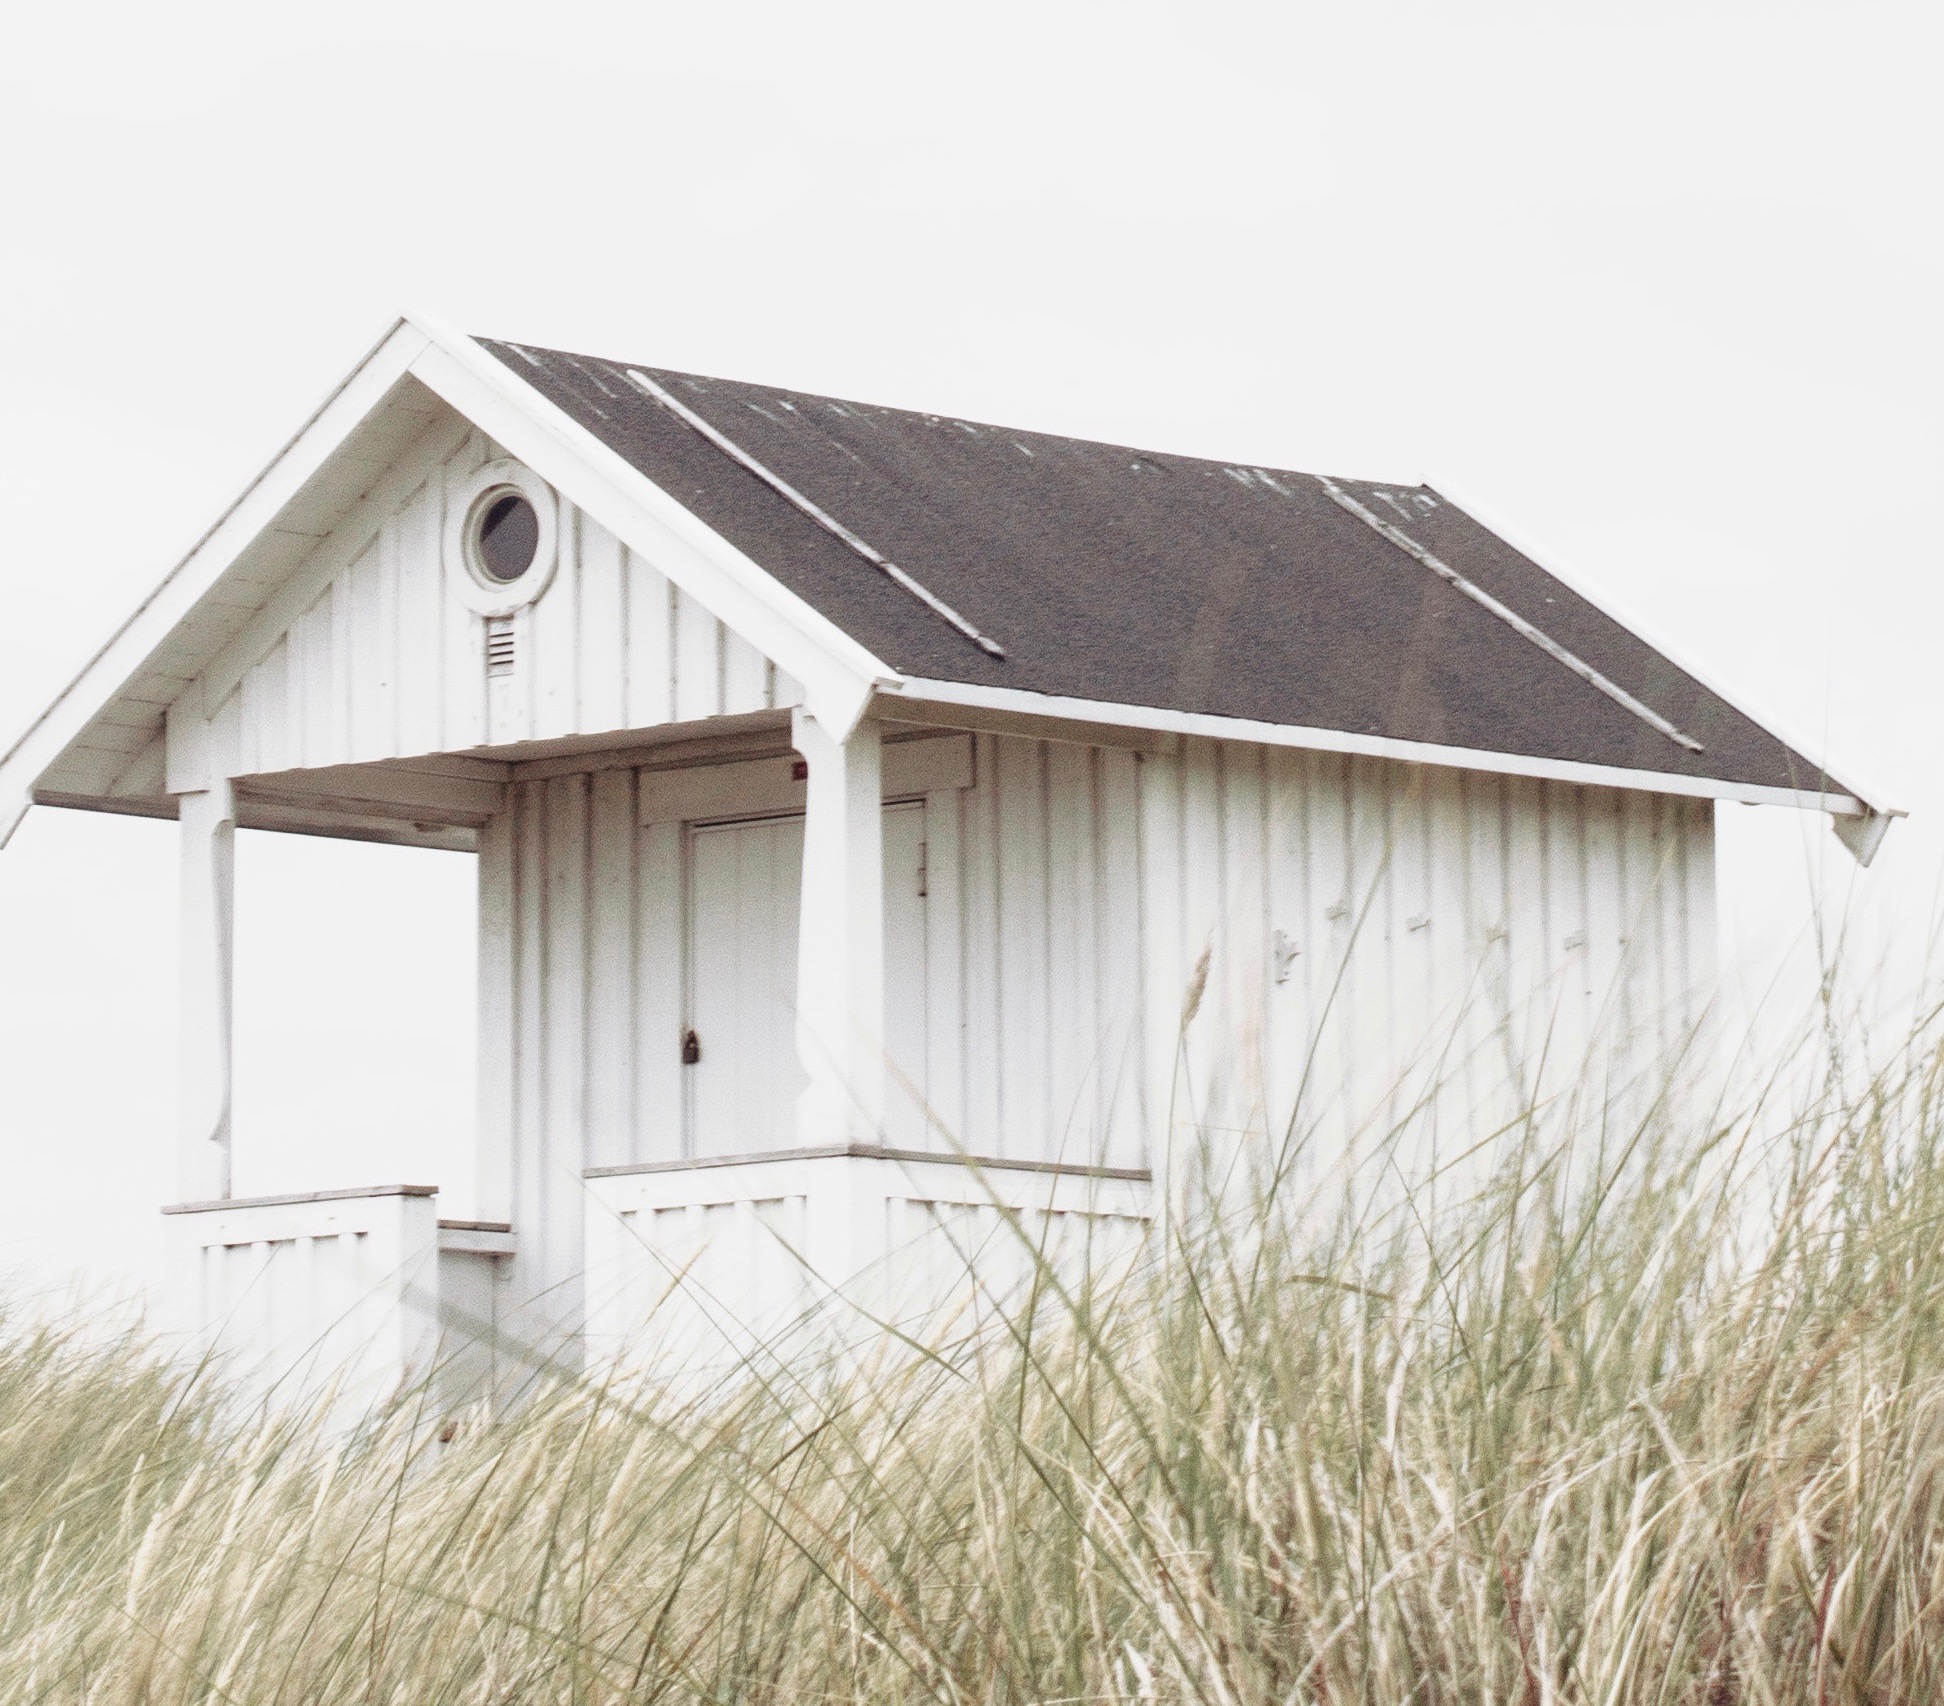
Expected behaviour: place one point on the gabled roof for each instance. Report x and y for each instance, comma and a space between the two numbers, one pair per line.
1129, 577
1118, 585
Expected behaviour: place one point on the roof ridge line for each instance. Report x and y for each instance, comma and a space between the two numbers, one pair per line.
1510, 617
828, 522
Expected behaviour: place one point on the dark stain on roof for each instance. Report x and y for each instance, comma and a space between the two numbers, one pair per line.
1159, 580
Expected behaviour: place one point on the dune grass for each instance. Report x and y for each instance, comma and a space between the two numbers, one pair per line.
1670, 1428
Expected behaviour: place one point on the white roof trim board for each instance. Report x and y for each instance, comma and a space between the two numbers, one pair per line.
1053, 708
840, 675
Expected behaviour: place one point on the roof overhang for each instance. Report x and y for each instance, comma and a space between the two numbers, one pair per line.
1860, 812
1056, 717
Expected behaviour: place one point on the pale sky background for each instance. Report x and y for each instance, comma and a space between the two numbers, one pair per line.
1660, 286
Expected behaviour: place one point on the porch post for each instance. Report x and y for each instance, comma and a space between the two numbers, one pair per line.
840, 939
208, 826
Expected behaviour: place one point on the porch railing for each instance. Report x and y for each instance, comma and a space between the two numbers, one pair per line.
709, 1263
355, 1292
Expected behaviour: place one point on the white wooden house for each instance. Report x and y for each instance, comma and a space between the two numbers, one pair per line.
862, 799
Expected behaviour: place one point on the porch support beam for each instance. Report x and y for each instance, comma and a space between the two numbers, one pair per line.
208, 937
840, 942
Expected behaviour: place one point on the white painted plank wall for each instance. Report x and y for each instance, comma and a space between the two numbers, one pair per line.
1499, 939
386, 663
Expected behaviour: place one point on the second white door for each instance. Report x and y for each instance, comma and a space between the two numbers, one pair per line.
744, 886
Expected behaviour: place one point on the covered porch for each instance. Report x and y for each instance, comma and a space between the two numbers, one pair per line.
720, 1004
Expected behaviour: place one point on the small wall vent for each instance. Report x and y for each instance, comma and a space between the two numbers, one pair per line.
499, 645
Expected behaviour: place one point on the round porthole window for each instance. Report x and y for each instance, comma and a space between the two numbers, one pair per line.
505, 534
500, 538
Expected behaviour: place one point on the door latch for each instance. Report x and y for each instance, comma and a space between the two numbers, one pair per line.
691, 1049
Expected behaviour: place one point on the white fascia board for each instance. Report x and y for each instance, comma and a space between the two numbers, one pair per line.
1014, 701
1870, 801
124, 652
838, 674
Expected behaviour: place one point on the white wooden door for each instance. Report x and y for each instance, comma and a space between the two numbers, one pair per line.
744, 888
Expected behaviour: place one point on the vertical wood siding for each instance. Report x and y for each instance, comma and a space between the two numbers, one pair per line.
386, 663
1455, 945
1465, 946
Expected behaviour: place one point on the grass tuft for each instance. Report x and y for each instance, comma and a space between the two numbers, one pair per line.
1665, 1429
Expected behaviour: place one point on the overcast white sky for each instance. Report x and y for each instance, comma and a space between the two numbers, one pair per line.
1660, 287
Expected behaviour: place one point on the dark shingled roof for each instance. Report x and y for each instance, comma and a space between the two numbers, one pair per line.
1159, 580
